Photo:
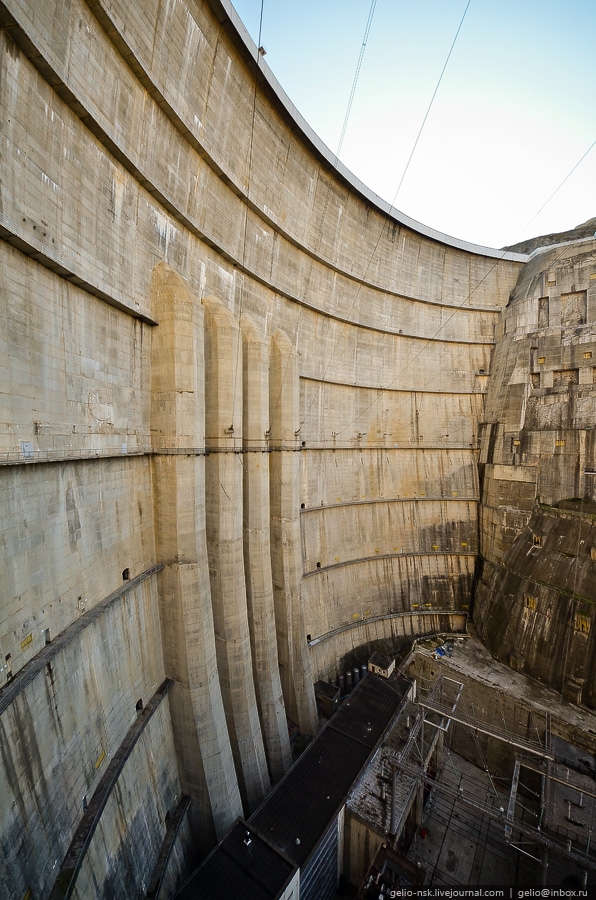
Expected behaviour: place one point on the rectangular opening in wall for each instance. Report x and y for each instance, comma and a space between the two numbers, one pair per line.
581, 623
543, 312
573, 309
536, 540
564, 377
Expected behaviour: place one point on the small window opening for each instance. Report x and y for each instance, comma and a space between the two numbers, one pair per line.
302, 506
126, 575
304, 443
308, 637
139, 705
318, 565
46, 635
537, 540
85, 802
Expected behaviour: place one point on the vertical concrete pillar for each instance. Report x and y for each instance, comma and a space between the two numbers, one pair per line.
257, 549
224, 505
286, 556
201, 738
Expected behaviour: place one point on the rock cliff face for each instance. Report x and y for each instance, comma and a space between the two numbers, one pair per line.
240, 408
535, 599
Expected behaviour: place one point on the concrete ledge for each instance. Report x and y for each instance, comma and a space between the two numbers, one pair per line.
169, 840
411, 553
415, 613
67, 876
46, 256
387, 500
31, 670
21, 457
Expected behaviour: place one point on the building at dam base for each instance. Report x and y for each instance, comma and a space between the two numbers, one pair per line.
255, 426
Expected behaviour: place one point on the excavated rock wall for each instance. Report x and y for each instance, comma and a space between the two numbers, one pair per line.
535, 600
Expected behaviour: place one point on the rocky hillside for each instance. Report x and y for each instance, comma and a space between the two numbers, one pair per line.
588, 229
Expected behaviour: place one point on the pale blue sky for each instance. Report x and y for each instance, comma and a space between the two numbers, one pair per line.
514, 113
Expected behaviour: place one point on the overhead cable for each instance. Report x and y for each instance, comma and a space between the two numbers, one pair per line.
432, 100
356, 75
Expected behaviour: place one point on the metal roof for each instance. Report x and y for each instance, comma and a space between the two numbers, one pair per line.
294, 817
305, 802
243, 864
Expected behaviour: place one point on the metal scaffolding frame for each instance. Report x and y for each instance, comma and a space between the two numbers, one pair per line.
438, 710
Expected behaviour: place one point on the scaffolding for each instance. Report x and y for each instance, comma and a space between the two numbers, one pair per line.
561, 797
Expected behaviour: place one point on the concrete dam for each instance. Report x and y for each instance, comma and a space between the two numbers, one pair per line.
255, 424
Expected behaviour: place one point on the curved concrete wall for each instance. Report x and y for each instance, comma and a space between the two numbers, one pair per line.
224, 357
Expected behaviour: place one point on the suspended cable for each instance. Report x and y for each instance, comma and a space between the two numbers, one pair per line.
557, 189
356, 76
376, 246
432, 100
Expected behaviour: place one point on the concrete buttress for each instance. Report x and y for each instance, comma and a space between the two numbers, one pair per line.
285, 466
257, 548
224, 504
177, 423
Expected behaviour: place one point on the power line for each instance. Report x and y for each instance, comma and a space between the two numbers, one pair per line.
432, 100
356, 75
375, 248
557, 189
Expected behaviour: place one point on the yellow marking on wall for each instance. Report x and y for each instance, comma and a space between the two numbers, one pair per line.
541, 359
355, 615
582, 623
100, 759
28, 640
435, 546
